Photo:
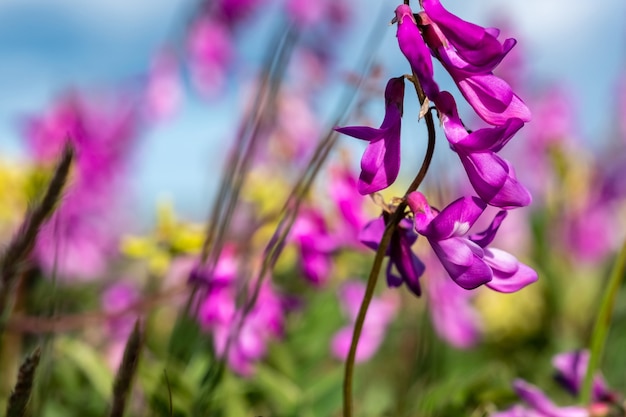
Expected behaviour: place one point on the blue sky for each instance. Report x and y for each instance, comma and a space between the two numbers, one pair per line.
50, 46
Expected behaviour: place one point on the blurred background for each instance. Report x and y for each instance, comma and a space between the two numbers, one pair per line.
50, 47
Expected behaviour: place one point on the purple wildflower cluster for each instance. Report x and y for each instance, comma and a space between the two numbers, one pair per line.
469, 53
243, 340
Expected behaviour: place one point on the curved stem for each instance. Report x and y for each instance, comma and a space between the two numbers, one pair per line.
378, 260
603, 321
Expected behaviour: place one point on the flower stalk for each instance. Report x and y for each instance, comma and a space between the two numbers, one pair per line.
380, 254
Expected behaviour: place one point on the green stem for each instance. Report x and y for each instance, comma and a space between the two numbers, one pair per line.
378, 260
603, 321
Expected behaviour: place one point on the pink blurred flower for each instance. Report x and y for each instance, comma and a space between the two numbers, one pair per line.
220, 315
81, 237
454, 318
209, 47
381, 312
163, 92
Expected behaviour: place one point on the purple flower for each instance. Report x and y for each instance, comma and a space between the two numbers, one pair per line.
408, 265
81, 237
468, 260
454, 318
209, 46
571, 368
380, 164
492, 177
540, 405
381, 311
163, 90
470, 55
474, 44
316, 245
415, 50
220, 315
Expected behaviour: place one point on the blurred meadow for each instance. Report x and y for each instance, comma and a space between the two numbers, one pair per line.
200, 201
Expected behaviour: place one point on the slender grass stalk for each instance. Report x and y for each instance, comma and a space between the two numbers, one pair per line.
24, 240
602, 323
390, 228
20, 396
126, 372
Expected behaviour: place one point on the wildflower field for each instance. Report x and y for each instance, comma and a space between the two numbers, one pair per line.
405, 219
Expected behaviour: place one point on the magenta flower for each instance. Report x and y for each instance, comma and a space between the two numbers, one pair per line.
163, 90
467, 259
470, 55
454, 318
408, 265
476, 45
415, 50
209, 46
380, 313
571, 368
220, 315
380, 164
540, 405
81, 237
492, 177
316, 245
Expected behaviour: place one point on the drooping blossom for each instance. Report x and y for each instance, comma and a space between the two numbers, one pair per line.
470, 53
492, 177
415, 50
209, 47
380, 163
467, 258
454, 318
380, 313
247, 337
571, 368
409, 267
539, 405
81, 237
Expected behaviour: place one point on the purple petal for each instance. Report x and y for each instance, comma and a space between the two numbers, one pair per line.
380, 164
415, 50
494, 180
362, 132
492, 139
571, 368
491, 98
509, 275
456, 219
408, 264
372, 233
421, 210
474, 43
485, 237
538, 401
462, 259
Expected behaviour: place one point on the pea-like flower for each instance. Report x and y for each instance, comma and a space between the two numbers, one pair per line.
492, 177
470, 53
466, 258
408, 265
415, 50
380, 163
